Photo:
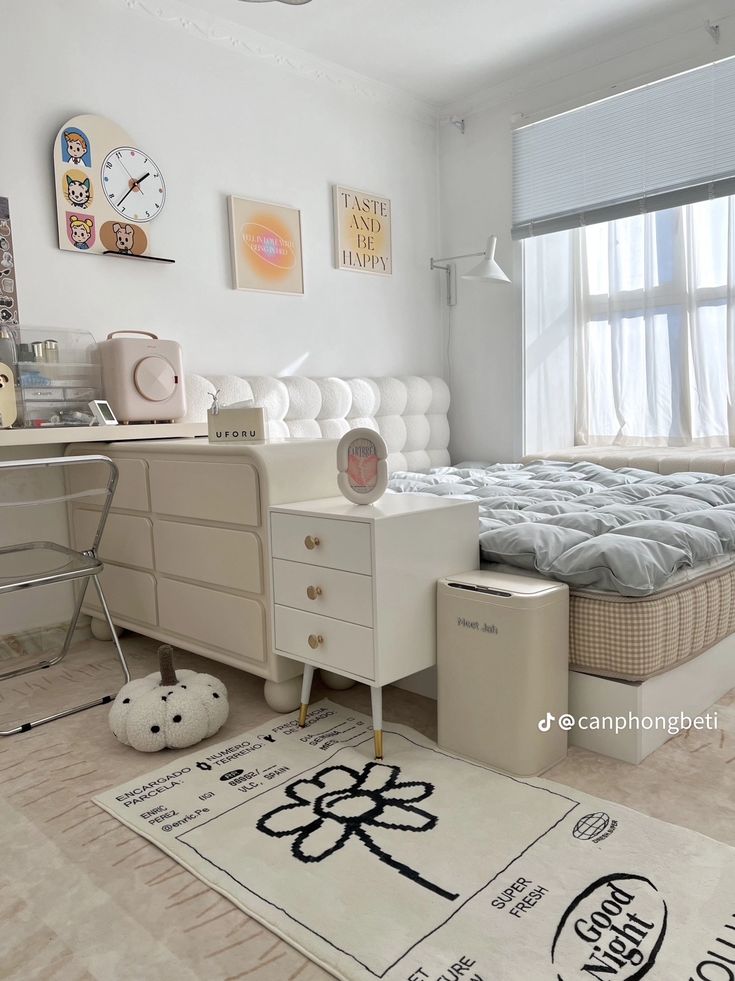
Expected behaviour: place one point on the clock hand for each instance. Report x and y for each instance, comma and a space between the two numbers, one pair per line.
133, 186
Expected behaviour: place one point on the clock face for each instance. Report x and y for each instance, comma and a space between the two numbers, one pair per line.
133, 184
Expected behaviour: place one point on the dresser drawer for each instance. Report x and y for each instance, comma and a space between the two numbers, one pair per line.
344, 647
131, 493
331, 593
220, 556
210, 491
130, 594
213, 618
335, 544
127, 538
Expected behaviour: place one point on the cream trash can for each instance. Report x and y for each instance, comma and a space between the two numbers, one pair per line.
503, 664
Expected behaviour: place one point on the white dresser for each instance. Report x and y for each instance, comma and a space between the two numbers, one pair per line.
186, 547
354, 586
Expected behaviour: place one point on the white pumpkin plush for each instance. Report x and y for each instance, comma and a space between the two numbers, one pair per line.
168, 710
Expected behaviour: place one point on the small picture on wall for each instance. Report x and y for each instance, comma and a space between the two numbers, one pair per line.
265, 241
362, 232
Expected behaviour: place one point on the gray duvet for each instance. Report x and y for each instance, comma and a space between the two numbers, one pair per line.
625, 531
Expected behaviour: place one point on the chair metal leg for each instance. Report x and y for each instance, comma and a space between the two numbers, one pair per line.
111, 625
105, 699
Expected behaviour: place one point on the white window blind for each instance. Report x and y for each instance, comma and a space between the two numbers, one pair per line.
661, 146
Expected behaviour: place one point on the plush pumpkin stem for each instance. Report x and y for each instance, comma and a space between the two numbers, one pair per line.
166, 665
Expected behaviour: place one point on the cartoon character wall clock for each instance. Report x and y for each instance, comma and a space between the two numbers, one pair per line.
106, 188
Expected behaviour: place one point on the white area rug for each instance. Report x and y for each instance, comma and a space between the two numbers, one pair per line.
430, 868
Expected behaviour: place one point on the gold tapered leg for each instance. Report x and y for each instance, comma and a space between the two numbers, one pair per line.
378, 733
302, 713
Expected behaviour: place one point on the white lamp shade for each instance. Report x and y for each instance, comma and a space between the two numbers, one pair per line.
488, 268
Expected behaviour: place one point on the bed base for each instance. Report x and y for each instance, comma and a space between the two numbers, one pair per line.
691, 689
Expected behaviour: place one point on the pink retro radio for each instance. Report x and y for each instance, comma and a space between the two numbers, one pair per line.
143, 377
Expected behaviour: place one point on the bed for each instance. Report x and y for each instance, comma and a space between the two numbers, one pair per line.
649, 557
646, 655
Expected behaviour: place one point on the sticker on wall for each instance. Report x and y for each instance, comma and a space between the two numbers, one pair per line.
80, 229
9, 315
77, 189
265, 241
123, 237
362, 232
75, 148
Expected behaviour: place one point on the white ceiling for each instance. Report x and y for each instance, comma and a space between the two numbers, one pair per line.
439, 50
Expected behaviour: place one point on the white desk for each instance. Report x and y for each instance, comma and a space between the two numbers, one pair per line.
64, 435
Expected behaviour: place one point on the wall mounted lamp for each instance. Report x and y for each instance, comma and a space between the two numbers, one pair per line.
486, 269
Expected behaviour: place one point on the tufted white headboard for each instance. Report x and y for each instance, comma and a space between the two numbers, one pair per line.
409, 412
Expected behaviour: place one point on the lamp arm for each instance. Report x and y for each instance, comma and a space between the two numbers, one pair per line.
451, 258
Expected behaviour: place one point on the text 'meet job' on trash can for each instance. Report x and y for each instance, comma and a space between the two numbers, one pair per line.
503, 666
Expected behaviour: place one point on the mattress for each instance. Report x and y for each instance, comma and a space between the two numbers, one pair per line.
637, 638
612, 634
621, 531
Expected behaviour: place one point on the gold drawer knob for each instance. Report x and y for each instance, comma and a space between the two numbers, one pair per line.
315, 640
313, 592
311, 543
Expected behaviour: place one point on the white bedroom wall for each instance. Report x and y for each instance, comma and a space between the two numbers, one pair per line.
475, 194
220, 118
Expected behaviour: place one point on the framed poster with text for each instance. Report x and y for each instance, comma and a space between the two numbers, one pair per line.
266, 246
362, 232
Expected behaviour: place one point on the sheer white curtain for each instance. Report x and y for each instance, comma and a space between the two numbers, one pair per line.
651, 305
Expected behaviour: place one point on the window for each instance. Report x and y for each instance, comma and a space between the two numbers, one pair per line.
630, 330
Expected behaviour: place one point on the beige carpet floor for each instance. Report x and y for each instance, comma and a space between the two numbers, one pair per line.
82, 897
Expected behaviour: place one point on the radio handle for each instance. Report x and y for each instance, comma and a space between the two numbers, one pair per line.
145, 333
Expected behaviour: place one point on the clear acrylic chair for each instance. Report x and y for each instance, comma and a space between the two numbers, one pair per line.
41, 563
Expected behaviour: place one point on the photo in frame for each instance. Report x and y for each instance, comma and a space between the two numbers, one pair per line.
362, 465
265, 243
362, 231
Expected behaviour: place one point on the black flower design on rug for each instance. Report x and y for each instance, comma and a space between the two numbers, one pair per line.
339, 804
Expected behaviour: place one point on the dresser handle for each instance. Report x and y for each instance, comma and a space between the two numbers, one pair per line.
311, 542
313, 592
315, 640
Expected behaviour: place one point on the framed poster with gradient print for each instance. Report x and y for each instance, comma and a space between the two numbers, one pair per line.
265, 240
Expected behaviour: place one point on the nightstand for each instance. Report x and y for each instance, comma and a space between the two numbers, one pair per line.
354, 586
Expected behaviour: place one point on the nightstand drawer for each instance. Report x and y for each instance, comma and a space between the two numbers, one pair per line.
342, 647
327, 592
319, 541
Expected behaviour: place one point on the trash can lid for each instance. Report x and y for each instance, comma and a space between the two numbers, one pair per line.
521, 584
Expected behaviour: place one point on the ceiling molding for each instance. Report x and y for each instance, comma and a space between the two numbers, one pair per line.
226, 34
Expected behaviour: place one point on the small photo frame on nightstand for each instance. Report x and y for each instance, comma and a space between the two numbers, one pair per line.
362, 464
